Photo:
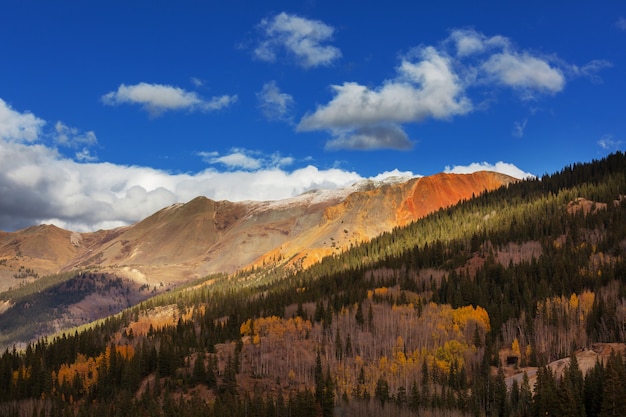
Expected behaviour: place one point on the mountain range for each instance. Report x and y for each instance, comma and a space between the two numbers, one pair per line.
506, 299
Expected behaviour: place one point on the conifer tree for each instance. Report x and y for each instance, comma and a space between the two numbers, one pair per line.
381, 393
593, 388
614, 392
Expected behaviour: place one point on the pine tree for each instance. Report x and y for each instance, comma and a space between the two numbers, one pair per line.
319, 378
199, 370
501, 405
338, 345
545, 401
593, 388
570, 390
360, 320
525, 398
614, 392
328, 397
415, 400
381, 393
229, 381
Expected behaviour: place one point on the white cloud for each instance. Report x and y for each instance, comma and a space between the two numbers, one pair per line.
621, 23
19, 127
274, 104
158, 98
245, 159
425, 87
469, 42
84, 155
524, 72
608, 143
498, 60
422, 89
395, 173
501, 167
302, 38
72, 137
237, 160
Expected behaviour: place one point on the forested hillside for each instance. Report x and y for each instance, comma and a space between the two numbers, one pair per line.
456, 314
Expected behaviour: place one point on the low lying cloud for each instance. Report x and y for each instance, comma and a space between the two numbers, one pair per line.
437, 82
302, 39
40, 185
501, 167
158, 98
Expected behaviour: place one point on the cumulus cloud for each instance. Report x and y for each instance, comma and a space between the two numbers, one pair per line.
437, 82
524, 72
395, 173
469, 42
85, 155
274, 104
425, 87
245, 159
301, 38
158, 98
18, 127
501, 167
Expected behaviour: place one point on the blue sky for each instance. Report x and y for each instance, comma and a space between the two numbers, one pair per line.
112, 110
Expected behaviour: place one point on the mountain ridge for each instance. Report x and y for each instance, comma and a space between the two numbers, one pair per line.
190, 240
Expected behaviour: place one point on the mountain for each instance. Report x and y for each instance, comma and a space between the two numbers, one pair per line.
512, 303
188, 241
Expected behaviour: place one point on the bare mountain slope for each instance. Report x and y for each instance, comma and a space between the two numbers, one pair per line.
190, 240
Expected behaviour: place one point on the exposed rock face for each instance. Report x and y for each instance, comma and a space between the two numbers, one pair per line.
190, 240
